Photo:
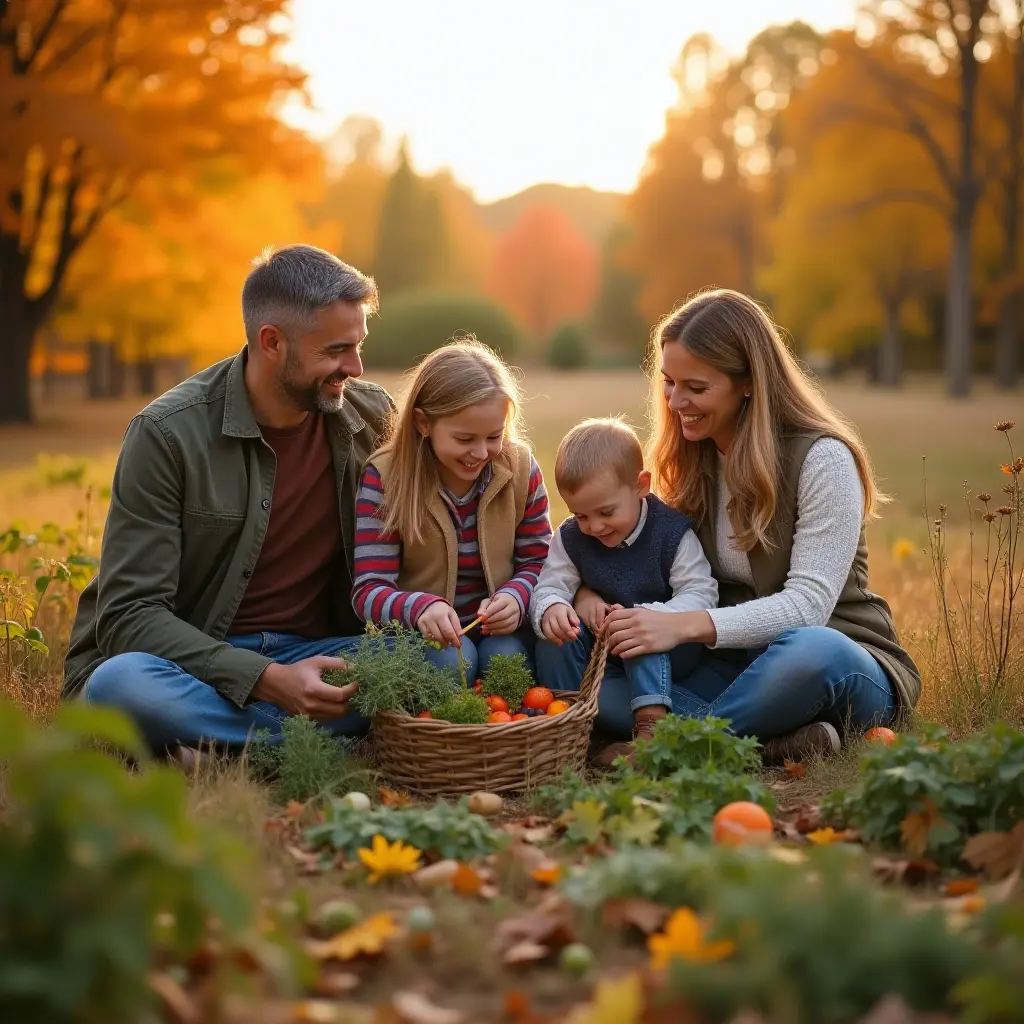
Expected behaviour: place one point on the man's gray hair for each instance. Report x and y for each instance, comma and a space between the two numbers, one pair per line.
288, 286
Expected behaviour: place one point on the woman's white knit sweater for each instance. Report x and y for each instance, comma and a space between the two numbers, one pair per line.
830, 504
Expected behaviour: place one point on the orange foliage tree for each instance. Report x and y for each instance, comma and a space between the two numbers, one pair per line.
544, 271
94, 96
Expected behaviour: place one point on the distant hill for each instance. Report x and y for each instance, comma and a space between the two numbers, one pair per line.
592, 212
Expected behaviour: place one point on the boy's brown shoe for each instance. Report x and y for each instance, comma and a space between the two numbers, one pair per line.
644, 720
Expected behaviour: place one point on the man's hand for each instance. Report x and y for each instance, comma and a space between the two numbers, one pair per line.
591, 609
299, 690
439, 622
500, 613
560, 624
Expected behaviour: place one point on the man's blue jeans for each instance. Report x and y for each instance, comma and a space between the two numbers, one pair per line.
809, 674
169, 706
478, 653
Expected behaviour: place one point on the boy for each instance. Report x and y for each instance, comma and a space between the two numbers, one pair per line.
631, 550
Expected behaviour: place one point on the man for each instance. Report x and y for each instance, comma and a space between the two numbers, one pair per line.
226, 569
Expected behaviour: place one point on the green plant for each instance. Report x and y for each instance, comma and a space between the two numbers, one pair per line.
569, 348
694, 743
463, 708
306, 762
929, 794
443, 830
508, 676
102, 871
393, 673
419, 321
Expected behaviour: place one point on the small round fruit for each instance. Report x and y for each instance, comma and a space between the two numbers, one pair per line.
497, 717
556, 707
34, 633
336, 916
357, 801
424, 714
484, 803
880, 735
538, 697
420, 921
742, 823
576, 959
519, 716
496, 703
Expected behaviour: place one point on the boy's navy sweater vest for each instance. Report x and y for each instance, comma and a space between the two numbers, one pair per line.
637, 574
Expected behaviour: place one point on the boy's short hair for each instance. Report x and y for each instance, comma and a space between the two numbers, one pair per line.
598, 446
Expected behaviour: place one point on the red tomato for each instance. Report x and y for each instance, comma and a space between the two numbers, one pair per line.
519, 717
424, 714
496, 703
495, 717
538, 697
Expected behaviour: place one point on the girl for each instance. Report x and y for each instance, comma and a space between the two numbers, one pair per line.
452, 515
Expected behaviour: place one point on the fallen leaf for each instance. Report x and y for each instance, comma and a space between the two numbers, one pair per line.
999, 854
960, 887
415, 1008
787, 854
307, 862
294, 809
808, 818
909, 872
525, 952
522, 833
547, 876
517, 1004
317, 1011
827, 836
548, 923
643, 914
368, 936
530, 857
439, 873
332, 984
916, 827
794, 769
465, 881
620, 1001
177, 1001
392, 798
893, 1010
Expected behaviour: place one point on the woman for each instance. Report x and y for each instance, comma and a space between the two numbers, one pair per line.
799, 650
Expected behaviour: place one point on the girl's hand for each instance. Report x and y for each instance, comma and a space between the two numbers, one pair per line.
560, 624
438, 621
591, 609
500, 613
635, 631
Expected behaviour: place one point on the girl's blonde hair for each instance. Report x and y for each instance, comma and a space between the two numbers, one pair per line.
451, 378
732, 333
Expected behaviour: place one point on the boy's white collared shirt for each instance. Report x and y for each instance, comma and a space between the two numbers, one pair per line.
693, 587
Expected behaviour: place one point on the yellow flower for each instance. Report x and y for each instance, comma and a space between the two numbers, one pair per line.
827, 836
684, 937
389, 858
903, 549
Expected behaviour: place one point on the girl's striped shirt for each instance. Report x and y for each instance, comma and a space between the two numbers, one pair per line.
375, 595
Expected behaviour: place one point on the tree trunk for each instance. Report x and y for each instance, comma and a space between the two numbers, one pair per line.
890, 356
145, 375
15, 382
1008, 341
959, 318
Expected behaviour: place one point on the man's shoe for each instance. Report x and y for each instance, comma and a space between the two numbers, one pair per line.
644, 721
818, 738
185, 758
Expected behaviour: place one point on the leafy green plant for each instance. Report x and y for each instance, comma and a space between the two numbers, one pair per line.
102, 871
691, 743
442, 830
463, 708
393, 673
569, 347
928, 794
508, 676
306, 762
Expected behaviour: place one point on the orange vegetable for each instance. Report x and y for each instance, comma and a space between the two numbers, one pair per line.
556, 707
742, 823
496, 717
519, 716
496, 703
424, 714
880, 734
538, 697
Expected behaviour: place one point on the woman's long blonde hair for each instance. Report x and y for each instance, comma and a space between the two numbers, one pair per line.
451, 378
732, 333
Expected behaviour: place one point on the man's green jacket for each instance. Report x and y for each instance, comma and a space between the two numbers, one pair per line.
189, 508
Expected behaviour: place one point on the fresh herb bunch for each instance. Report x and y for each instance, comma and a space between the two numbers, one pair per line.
443, 829
508, 676
307, 761
463, 708
391, 667
680, 742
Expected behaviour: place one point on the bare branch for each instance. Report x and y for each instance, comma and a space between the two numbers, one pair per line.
23, 66
74, 47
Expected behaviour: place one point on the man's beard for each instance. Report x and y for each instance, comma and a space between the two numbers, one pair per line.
306, 396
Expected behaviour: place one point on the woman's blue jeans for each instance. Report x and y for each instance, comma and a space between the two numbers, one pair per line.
169, 706
809, 674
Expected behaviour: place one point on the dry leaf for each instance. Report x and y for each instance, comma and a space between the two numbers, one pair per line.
808, 818
909, 872
794, 769
177, 1001
547, 876
525, 953
440, 873
294, 809
643, 914
530, 857
415, 1008
466, 881
615, 1002
999, 854
317, 1011
368, 936
961, 887
916, 827
549, 923
307, 863
517, 1005
392, 798
827, 836
893, 1010
332, 984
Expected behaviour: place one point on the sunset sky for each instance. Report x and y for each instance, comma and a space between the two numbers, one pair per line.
509, 94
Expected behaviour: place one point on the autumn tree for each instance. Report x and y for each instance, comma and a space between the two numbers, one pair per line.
94, 96
616, 318
544, 271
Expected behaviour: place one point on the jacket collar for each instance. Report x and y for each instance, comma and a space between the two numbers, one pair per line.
239, 420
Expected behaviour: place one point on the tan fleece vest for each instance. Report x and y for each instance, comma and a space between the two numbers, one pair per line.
861, 615
431, 564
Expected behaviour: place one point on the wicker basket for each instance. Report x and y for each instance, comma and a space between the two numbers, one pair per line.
434, 758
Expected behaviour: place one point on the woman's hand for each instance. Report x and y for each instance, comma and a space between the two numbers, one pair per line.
501, 614
439, 622
635, 631
591, 609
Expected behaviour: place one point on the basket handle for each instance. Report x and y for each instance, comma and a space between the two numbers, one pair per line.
590, 685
